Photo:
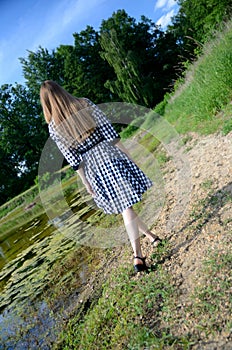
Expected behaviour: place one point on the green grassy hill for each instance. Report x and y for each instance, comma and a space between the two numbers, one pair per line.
201, 100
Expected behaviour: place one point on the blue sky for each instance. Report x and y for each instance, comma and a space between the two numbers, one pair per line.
28, 24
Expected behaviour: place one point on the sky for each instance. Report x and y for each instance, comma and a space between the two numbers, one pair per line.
27, 24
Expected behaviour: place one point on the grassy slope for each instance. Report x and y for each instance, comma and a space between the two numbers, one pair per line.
201, 101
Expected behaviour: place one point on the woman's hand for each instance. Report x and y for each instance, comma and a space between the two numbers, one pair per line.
89, 188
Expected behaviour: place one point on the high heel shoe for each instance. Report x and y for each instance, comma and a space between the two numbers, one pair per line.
140, 267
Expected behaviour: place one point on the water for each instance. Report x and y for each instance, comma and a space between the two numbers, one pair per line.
27, 255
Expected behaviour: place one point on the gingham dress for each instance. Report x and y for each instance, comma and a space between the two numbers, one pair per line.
117, 181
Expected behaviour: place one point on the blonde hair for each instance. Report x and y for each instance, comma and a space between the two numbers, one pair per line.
71, 115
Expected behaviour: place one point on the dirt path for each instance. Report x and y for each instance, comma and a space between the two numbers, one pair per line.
204, 230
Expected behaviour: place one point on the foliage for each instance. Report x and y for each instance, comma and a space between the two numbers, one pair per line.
199, 100
197, 21
142, 56
85, 72
42, 65
160, 107
22, 137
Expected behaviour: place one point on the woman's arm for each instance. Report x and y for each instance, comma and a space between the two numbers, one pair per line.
123, 148
85, 182
81, 173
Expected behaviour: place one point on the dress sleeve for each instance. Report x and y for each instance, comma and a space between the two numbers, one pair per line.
104, 125
70, 154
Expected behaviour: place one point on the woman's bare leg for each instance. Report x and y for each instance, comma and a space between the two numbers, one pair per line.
144, 229
131, 224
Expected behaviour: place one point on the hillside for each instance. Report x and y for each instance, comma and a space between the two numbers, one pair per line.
185, 300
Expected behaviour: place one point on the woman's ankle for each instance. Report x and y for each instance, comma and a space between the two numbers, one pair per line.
150, 235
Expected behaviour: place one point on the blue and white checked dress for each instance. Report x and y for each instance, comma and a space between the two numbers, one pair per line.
116, 180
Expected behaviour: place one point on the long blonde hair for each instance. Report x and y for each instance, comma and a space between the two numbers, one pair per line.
71, 115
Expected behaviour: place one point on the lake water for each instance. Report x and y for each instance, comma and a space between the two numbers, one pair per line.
28, 254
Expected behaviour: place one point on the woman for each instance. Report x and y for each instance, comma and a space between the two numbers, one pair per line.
93, 148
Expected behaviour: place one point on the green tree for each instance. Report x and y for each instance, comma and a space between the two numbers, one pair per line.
140, 67
42, 65
85, 72
128, 85
8, 175
23, 134
197, 20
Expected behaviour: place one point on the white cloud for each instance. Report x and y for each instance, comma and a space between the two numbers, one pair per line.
61, 20
160, 4
77, 9
164, 20
165, 5
171, 4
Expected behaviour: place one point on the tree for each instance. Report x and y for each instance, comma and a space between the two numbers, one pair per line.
85, 72
42, 65
131, 49
8, 176
197, 20
23, 134
128, 85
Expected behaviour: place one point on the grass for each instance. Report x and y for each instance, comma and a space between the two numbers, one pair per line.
143, 312
140, 312
201, 97
206, 313
149, 142
213, 300
16, 202
119, 319
16, 205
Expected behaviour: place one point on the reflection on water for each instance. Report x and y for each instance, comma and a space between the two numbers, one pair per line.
40, 328
27, 255
23, 237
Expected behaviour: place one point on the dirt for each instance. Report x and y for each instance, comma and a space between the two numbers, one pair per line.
205, 228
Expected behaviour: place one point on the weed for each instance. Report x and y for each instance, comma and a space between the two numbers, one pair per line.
162, 158
212, 300
119, 321
205, 91
207, 184
186, 139
227, 127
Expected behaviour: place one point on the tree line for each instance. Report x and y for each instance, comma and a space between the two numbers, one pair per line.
125, 60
